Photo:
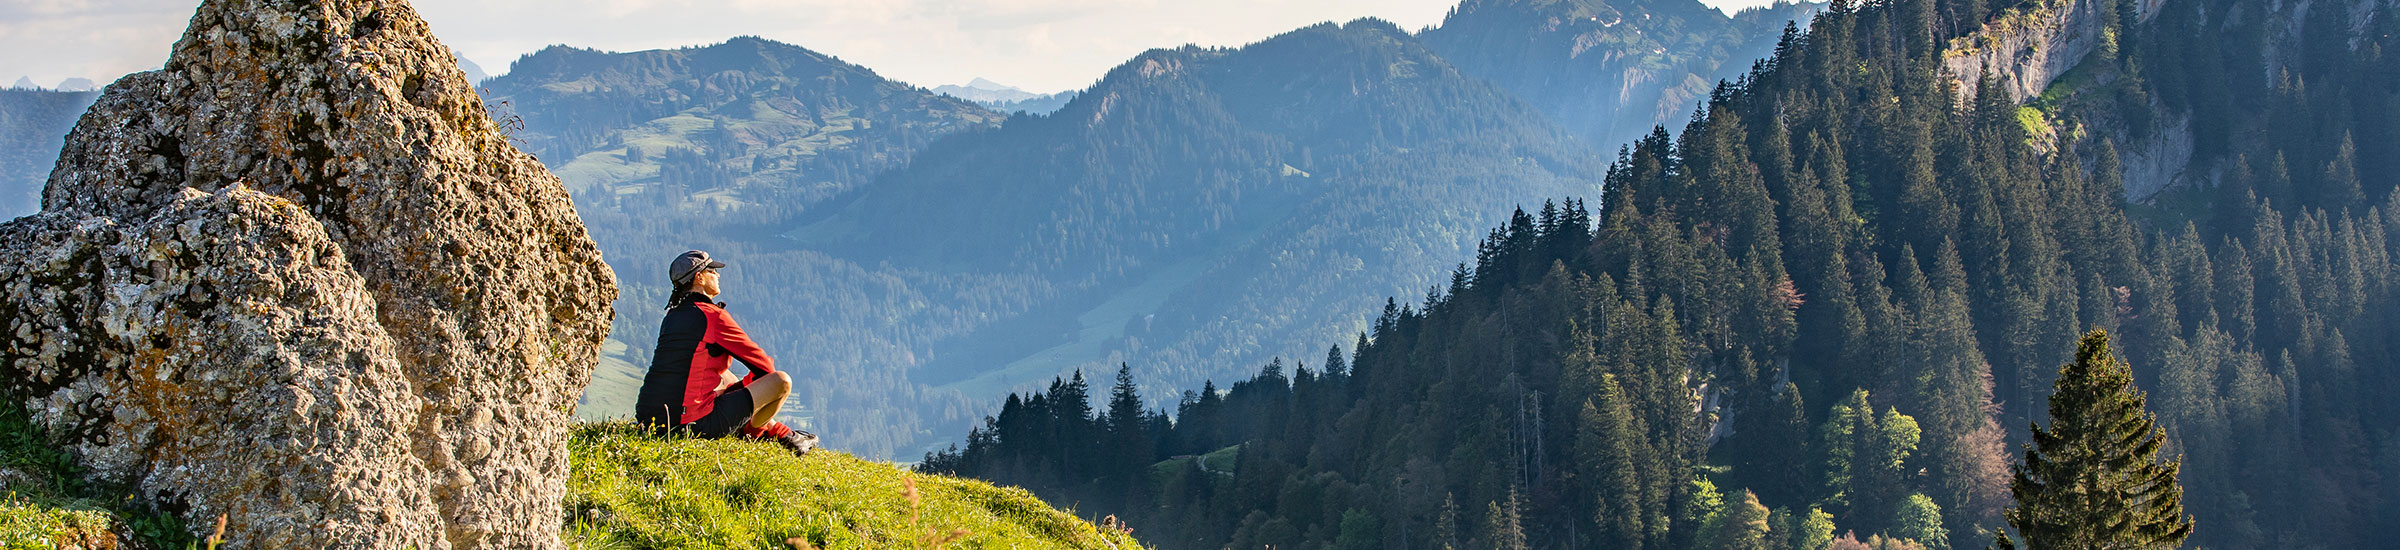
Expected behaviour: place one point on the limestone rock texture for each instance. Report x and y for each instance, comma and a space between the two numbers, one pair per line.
299, 277
2027, 48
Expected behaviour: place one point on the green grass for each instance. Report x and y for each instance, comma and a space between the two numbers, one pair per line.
46, 503
2036, 123
629, 489
1219, 462
1222, 460
25, 523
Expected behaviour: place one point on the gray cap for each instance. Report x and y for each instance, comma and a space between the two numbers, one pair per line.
689, 264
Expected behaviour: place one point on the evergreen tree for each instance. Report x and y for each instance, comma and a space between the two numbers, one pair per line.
1445, 524
1780, 432
1503, 525
1606, 445
1129, 446
2093, 478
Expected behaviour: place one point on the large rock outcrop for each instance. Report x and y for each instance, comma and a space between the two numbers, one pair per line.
2026, 48
299, 277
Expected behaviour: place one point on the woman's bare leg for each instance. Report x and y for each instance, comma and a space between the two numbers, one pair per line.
767, 393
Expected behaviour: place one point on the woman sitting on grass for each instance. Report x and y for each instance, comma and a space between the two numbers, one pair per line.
691, 386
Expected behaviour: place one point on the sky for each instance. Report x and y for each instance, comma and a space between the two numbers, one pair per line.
1038, 45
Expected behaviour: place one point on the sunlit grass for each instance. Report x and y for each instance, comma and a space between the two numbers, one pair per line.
27, 524
632, 490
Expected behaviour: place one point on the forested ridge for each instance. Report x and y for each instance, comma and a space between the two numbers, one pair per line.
1834, 303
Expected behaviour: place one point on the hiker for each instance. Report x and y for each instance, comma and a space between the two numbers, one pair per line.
691, 386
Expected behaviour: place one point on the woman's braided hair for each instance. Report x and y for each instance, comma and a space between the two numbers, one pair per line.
683, 291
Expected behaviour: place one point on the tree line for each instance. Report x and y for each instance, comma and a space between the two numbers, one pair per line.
1834, 301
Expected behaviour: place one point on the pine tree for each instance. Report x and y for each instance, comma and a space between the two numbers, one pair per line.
1503, 524
2093, 478
1783, 432
1445, 525
1129, 437
1606, 445
1071, 413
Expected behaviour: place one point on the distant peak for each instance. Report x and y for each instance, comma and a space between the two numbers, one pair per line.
1373, 24
24, 83
982, 84
985, 91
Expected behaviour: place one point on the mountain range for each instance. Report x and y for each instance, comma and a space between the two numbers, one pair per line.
981, 90
1939, 274
1194, 211
1610, 71
1005, 98
1196, 205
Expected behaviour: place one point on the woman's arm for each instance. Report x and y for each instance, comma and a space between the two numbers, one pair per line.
726, 336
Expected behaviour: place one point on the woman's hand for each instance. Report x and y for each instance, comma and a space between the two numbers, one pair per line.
727, 379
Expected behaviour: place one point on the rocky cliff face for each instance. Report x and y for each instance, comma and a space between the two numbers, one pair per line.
1610, 71
299, 278
2027, 48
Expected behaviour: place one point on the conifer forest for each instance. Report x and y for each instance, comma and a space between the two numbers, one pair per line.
1860, 301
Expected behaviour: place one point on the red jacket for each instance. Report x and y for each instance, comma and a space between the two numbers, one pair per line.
697, 344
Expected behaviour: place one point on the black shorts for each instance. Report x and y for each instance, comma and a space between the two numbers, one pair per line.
730, 414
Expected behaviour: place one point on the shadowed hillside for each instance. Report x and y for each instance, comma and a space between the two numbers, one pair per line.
1205, 208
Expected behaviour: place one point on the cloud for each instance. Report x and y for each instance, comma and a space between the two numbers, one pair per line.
53, 40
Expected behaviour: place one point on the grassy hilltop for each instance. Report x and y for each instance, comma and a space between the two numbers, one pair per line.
629, 490
632, 490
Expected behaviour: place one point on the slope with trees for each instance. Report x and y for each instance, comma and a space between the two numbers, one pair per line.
1842, 260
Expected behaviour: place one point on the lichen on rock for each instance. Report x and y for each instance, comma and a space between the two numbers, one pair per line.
297, 277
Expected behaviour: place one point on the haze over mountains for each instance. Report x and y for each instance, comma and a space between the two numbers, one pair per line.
1006, 98
981, 90
1195, 212
1609, 71
33, 126
1202, 205
2154, 245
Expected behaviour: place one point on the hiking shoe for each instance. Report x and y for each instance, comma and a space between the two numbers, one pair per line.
798, 442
